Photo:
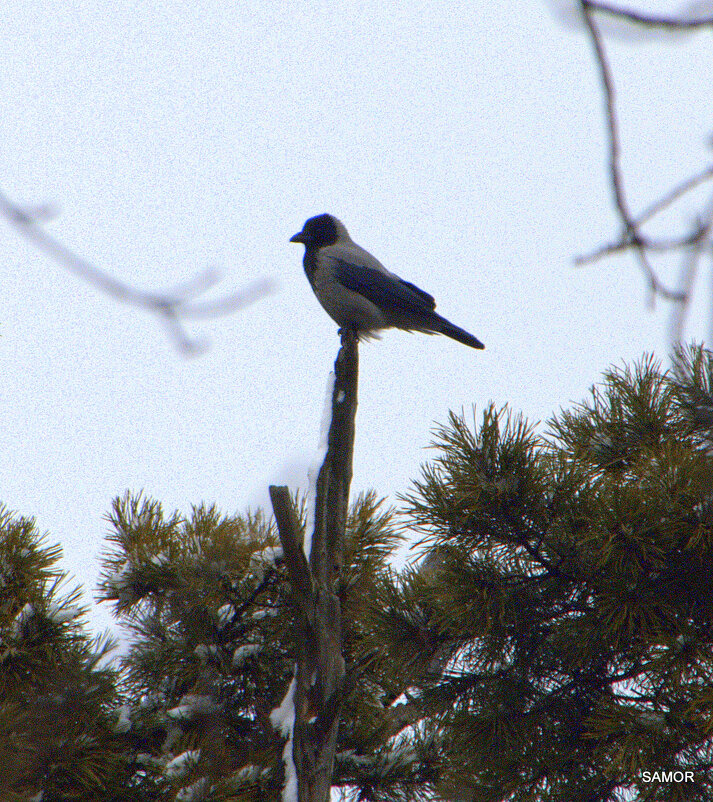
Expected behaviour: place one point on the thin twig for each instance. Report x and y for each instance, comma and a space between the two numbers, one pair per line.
689, 268
655, 245
169, 306
676, 193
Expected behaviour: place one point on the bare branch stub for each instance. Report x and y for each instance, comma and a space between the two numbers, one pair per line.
291, 537
320, 681
321, 676
170, 306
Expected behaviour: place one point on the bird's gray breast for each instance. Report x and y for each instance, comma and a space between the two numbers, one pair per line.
345, 306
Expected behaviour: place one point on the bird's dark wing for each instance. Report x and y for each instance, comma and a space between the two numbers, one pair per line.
384, 290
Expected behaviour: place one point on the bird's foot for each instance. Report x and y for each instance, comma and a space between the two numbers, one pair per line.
348, 335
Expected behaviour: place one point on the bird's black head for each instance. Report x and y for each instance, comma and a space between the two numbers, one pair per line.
320, 231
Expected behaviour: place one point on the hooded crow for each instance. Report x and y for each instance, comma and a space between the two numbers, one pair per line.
359, 293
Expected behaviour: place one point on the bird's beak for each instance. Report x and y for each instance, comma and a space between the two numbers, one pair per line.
297, 238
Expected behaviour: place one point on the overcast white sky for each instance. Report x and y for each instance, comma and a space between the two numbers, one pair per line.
461, 143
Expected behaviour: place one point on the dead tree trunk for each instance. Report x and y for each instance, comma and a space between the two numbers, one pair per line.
320, 666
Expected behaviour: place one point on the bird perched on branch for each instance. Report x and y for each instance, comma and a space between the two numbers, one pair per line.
359, 293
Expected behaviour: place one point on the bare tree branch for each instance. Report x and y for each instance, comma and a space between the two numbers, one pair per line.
650, 20
630, 235
692, 244
659, 245
169, 306
612, 127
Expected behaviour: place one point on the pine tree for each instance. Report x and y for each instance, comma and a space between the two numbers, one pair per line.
205, 599
554, 643
558, 636
59, 738
202, 601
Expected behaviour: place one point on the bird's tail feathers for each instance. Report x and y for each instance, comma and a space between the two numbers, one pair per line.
443, 326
